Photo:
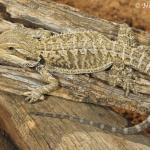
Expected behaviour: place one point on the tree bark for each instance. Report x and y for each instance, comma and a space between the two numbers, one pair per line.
29, 132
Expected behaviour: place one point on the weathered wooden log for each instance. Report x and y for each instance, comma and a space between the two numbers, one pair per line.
76, 88
30, 132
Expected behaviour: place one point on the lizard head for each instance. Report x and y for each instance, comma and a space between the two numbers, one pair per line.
20, 45
25, 52
18, 42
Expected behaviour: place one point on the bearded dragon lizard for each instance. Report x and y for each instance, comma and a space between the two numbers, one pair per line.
82, 52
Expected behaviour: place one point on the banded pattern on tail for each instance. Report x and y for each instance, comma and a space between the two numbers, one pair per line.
129, 130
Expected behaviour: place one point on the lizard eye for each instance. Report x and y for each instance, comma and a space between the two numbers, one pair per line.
11, 48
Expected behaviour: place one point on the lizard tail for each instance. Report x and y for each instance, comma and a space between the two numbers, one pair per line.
129, 130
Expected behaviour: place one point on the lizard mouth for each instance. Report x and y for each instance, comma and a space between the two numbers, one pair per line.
20, 52
27, 54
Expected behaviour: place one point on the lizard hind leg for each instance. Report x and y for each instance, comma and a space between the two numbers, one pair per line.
123, 76
129, 81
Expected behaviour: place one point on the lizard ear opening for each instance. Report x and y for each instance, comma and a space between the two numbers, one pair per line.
107, 69
41, 59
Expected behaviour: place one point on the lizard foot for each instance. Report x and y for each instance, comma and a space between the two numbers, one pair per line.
33, 95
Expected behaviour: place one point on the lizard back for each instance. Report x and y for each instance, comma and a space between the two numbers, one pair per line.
76, 53
90, 51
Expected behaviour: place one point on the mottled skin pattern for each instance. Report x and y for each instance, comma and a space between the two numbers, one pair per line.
90, 51
79, 53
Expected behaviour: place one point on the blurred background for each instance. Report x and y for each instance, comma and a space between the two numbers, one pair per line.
136, 13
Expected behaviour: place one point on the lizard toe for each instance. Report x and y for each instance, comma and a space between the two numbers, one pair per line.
27, 99
33, 100
33, 96
42, 98
27, 93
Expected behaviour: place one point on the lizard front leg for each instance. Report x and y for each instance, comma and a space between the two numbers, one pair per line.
36, 94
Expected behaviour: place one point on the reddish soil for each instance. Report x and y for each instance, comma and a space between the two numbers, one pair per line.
134, 12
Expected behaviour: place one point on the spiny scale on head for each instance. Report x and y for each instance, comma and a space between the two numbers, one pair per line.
130, 130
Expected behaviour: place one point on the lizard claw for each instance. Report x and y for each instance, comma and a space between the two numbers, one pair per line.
33, 95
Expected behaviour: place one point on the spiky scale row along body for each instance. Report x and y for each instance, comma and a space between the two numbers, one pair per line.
78, 53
